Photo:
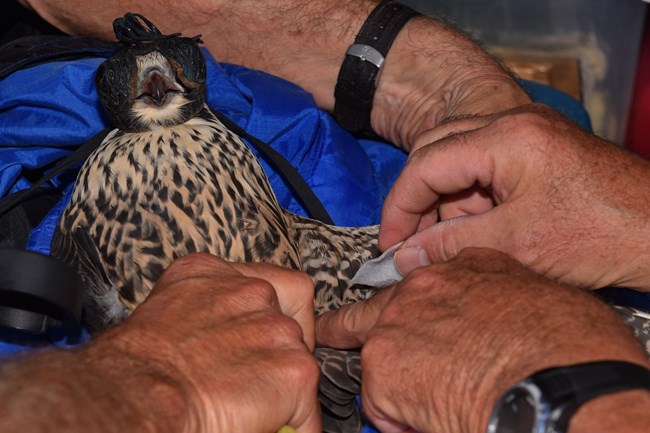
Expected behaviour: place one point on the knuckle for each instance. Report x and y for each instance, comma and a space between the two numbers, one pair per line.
422, 276
285, 331
257, 291
428, 284
527, 120
351, 320
300, 276
304, 281
376, 350
304, 370
193, 265
295, 366
448, 246
199, 260
392, 314
529, 125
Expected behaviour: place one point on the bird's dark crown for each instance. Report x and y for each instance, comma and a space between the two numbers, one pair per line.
155, 81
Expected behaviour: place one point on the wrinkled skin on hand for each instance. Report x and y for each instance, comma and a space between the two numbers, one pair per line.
433, 74
442, 346
229, 343
532, 184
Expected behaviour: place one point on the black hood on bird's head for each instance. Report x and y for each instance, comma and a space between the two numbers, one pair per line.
116, 78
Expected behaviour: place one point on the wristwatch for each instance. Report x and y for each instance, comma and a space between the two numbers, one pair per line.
545, 402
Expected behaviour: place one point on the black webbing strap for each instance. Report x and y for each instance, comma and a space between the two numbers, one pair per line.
294, 180
64, 164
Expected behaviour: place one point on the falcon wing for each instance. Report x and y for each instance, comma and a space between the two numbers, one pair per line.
78, 250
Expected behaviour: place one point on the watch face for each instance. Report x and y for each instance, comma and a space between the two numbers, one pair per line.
516, 413
545, 402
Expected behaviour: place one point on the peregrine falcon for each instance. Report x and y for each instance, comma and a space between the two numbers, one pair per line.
171, 180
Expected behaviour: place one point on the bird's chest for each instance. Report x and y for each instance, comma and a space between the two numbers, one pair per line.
173, 192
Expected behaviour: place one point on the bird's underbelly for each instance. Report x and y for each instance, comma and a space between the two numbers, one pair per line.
145, 199
163, 232
143, 215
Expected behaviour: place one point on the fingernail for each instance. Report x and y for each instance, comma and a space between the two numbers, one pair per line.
411, 258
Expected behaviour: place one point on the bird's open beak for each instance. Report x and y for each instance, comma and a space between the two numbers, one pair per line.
156, 87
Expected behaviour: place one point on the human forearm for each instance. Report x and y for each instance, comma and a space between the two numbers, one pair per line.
625, 412
434, 73
82, 391
618, 412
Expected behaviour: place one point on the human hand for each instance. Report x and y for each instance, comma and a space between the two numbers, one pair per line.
443, 345
222, 346
530, 183
434, 73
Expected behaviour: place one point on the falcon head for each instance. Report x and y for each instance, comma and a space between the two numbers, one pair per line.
155, 81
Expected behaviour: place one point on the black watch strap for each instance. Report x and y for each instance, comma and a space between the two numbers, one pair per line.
546, 401
572, 386
583, 382
355, 87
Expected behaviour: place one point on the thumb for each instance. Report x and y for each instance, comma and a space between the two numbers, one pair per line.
348, 327
444, 240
